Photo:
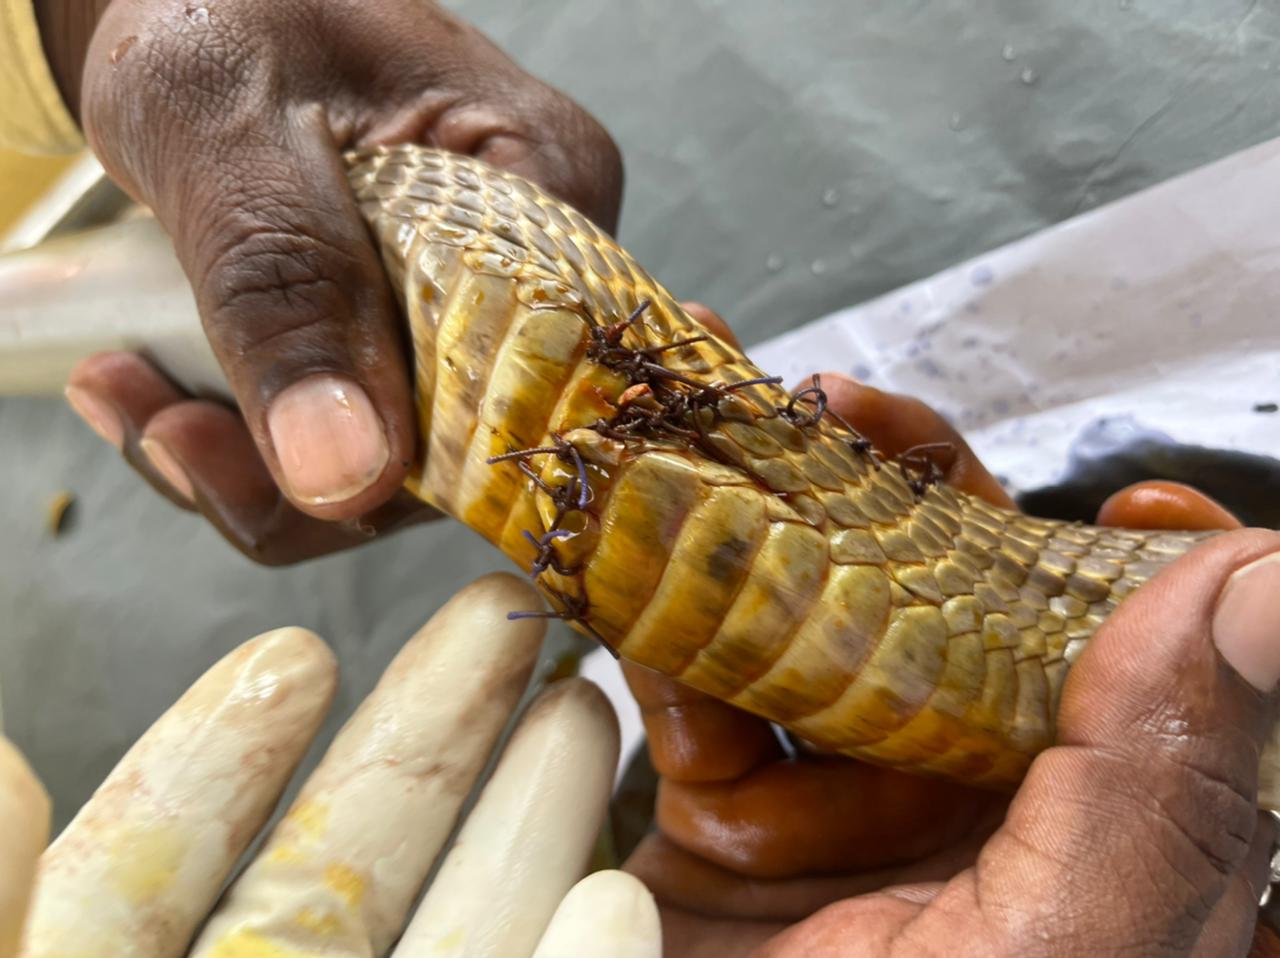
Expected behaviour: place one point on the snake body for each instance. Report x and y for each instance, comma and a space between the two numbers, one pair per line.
689, 513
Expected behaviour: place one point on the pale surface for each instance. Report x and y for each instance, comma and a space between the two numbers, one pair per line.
608, 913
24, 809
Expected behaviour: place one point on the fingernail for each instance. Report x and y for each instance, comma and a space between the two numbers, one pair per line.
101, 418
328, 438
1246, 624
166, 463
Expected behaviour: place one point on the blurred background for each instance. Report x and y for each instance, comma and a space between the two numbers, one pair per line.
783, 162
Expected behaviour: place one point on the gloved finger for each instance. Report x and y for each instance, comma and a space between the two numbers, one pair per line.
24, 812
355, 847
1164, 505
529, 838
897, 425
608, 913
1155, 773
140, 866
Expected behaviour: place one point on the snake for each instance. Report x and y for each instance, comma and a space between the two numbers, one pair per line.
699, 519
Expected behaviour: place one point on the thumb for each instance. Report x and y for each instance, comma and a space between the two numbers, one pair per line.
302, 319
1132, 828
201, 120
301, 316
288, 282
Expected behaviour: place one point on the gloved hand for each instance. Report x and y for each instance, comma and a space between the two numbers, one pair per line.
140, 870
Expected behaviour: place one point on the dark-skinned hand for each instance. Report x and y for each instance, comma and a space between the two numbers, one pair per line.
1136, 834
227, 118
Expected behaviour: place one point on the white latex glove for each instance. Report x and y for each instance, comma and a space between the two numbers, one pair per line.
141, 869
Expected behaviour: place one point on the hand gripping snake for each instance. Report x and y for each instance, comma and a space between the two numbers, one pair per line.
692, 515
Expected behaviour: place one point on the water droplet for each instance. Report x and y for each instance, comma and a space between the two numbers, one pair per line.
817, 267
1029, 76
198, 15
830, 198
955, 122
982, 276
1009, 54
773, 263
942, 197
1126, 4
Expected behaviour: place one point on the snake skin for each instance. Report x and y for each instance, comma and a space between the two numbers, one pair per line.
779, 566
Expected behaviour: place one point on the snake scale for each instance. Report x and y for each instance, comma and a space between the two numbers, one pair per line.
695, 517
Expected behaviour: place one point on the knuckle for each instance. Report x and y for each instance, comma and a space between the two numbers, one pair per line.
1209, 815
582, 163
592, 141
268, 282
184, 63
149, 113
209, 63
602, 145
1196, 813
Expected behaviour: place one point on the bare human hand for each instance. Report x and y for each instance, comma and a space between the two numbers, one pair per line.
227, 118
813, 855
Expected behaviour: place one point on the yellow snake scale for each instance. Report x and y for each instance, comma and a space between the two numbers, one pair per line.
725, 535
